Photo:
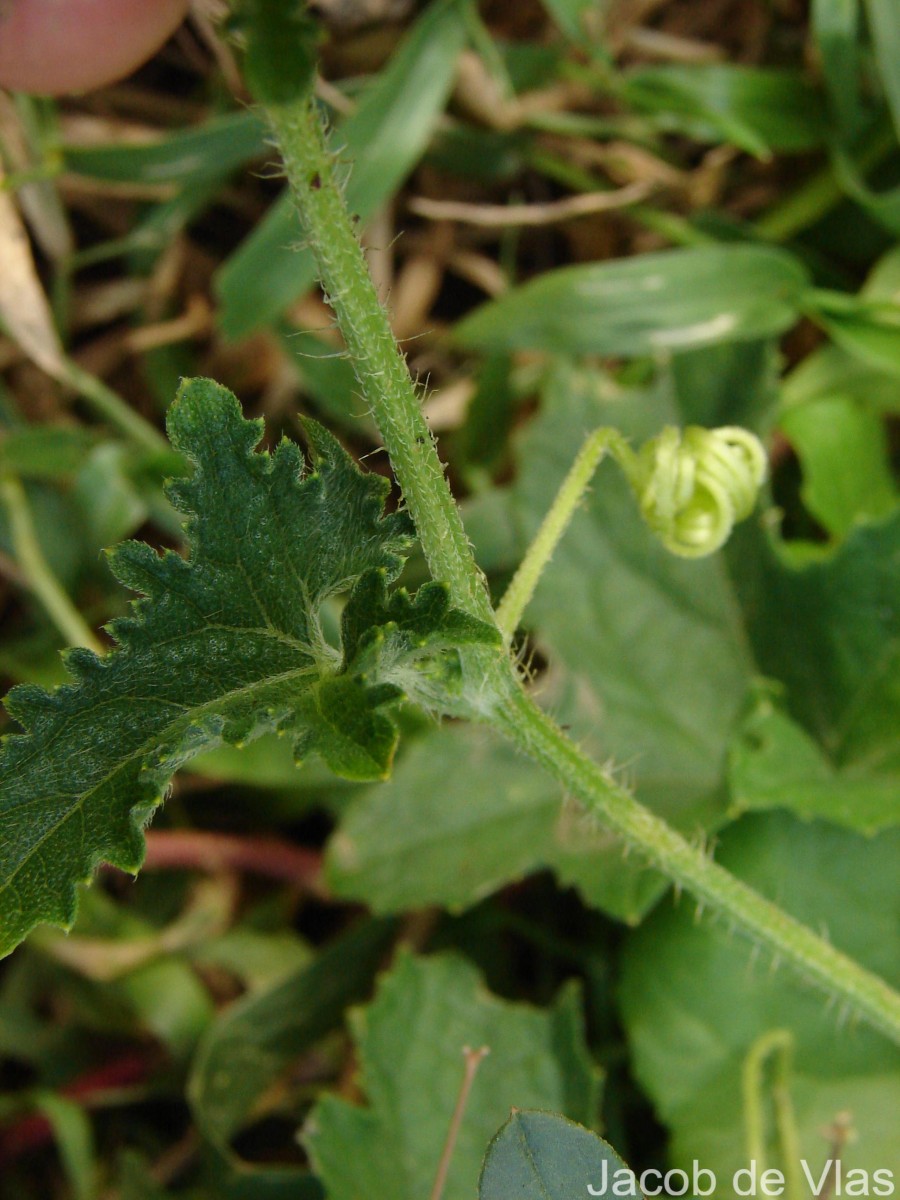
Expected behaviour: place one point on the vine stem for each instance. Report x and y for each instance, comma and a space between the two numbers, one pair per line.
394, 403
689, 867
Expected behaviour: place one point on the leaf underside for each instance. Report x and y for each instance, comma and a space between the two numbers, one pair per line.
223, 646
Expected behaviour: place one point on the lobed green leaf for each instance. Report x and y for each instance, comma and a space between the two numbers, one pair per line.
222, 647
410, 1043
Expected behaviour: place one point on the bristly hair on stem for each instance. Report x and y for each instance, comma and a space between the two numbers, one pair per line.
386, 385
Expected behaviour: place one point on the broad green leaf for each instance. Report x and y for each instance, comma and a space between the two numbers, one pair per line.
694, 1008
873, 337
760, 109
253, 1043
870, 328
542, 1156
224, 647
774, 763
210, 151
410, 1043
733, 383
832, 371
649, 304
383, 140
843, 451
830, 631
462, 815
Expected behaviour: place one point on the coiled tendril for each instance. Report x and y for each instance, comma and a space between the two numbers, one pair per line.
694, 485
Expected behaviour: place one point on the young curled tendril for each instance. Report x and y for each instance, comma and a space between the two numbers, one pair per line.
692, 487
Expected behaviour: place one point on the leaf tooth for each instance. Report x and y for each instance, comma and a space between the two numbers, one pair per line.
206, 421
83, 664
287, 463
180, 494
325, 450
125, 846
302, 747
171, 752
128, 633
237, 732
140, 568
30, 705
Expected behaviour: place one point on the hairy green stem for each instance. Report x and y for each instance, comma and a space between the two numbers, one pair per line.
690, 868
394, 404
380, 367
37, 571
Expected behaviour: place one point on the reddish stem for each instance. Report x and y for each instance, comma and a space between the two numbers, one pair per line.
201, 850
31, 1132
